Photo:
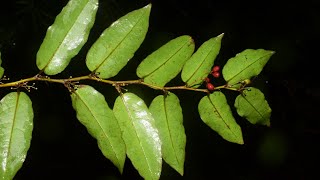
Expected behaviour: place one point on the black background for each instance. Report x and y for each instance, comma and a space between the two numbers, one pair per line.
61, 148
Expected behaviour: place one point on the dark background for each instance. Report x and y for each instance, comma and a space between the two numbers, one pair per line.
61, 148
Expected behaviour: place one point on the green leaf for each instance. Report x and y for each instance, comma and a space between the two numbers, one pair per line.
118, 43
139, 134
252, 105
16, 124
245, 65
199, 65
165, 63
94, 113
167, 113
216, 113
66, 36
1, 68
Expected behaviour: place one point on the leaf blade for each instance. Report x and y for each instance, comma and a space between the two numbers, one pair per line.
139, 134
1, 68
252, 105
118, 43
66, 36
16, 124
199, 65
216, 113
165, 63
94, 113
167, 113
245, 65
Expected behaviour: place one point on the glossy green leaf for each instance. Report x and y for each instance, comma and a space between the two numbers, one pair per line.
66, 36
245, 65
216, 113
167, 113
94, 113
165, 63
16, 124
139, 134
252, 105
1, 68
118, 43
199, 65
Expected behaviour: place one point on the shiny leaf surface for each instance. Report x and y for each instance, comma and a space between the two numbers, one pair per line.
66, 36
1, 68
167, 113
16, 124
252, 105
118, 43
94, 113
139, 134
245, 65
165, 63
216, 113
199, 65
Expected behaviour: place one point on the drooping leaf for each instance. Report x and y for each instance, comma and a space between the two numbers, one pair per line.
118, 43
139, 134
66, 36
252, 105
16, 124
1, 68
199, 65
216, 113
94, 113
167, 113
245, 65
165, 63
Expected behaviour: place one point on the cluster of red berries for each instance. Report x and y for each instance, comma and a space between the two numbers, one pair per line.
215, 73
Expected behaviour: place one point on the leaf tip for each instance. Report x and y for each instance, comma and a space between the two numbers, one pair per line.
148, 6
220, 35
239, 141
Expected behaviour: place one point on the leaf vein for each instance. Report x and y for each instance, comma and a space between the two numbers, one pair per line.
96, 119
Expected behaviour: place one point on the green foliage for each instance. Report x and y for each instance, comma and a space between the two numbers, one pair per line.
66, 36
94, 113
252, 105
145, 135
16, 124
118, 43
168, 116
216, 113
199, 65
245, 65
139, 134
165, 63
1, 68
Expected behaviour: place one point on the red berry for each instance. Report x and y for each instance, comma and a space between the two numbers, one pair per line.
210, 87
216, 74
215, 68
207, 79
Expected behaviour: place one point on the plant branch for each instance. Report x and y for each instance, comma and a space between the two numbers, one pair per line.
72, 80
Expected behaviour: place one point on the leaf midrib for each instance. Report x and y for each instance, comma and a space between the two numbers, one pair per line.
197, 69
247, 67
168, 59
12, 127
124, 38
262, 117
131, 117
168, 127
68, 32
217, 111
104, 133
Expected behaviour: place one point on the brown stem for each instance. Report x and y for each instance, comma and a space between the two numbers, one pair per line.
117, 84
